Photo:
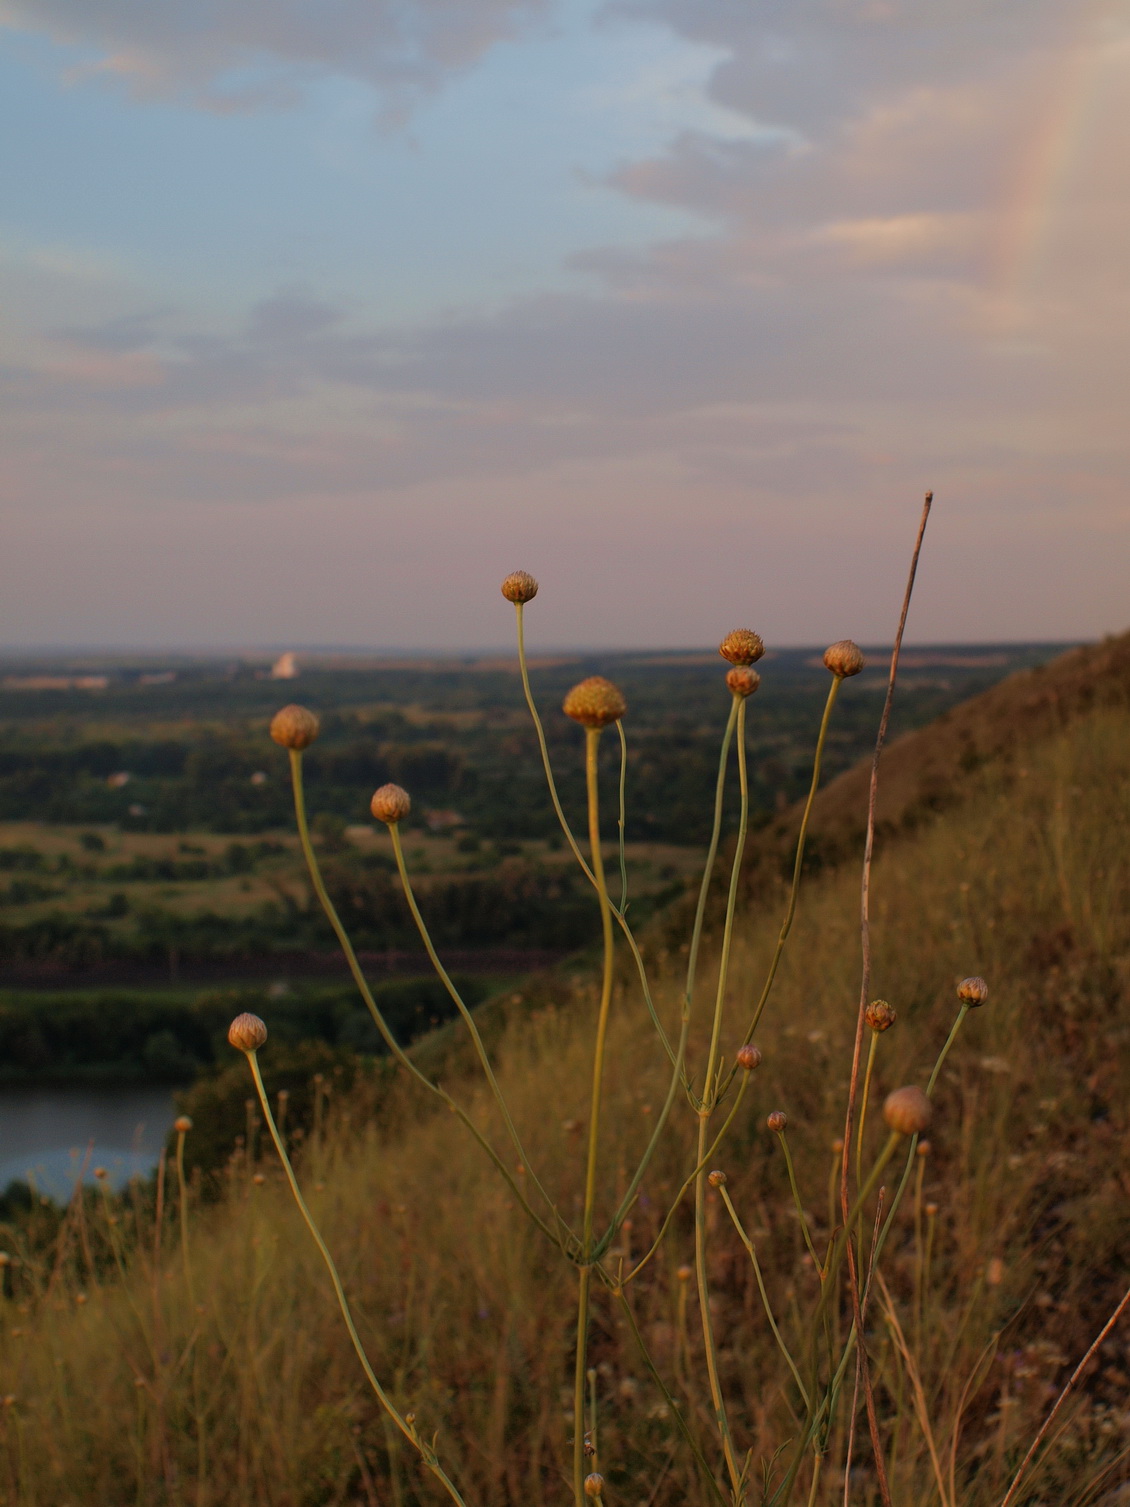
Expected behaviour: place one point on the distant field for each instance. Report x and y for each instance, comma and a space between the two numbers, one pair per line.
146, 827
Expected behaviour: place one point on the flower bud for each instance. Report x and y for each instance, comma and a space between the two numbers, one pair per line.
907, 1110
685, 1273
742, 647
247, 1033
595, 702
777, 1121
294, 727
390, 804
742, 680
519, 586
716, 1179
100, 1173
973, 992
880, 1016
749, 1057
182, 1124
843, 658
594, 1484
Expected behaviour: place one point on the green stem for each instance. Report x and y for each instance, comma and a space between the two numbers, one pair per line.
623, 818
468, 1018
562, 1236
592, 746
709, 1099
913, 1147
703, 1162
425, 1452
798, 865
748, 1243
672, 1406
711, 852
863, 1107
572, 841
799, 1206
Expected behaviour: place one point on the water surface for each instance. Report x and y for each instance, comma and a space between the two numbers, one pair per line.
47, 1135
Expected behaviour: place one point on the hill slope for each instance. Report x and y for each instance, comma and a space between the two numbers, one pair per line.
1010, 1248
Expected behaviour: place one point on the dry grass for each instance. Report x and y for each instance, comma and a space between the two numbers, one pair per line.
469, 1316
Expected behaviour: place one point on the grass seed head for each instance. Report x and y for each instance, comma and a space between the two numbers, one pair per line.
777, 1121
973, 991
294, 727
749, 1057
880, 1016
519, 586
716, 1179
390, 804
594, 1484
907, 1110
182, 1124
742, 680
247, 1033
844, 658
742, 647
595, 702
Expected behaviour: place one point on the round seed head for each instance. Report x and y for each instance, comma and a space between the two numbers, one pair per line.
777, 1121
247, 1033
843, 658
880, 1016
390, 804
742, 647
519, 586
907, 1110
100, 1173
595, 702
294, 727
716, 1179
182, 1124
742, 680
749, 1057
685, 1273
594, 1484
973, 992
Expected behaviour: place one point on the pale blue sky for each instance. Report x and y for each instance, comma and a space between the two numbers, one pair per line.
680, 304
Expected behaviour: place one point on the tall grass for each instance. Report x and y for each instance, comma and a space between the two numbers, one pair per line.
1002, 1263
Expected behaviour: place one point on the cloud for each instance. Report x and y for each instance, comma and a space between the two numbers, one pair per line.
246, 54
915, 277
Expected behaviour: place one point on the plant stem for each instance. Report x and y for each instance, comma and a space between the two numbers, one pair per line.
798, 864
592, 746
621, 919
748, 1243
426, 1454
562, 1236
709, 1099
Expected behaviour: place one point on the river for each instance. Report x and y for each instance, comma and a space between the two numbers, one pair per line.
51, 1133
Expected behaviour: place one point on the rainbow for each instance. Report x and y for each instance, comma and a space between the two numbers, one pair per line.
1044, 171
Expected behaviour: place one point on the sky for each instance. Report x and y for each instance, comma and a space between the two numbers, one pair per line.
317, 317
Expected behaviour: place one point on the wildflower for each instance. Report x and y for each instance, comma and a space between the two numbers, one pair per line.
907, 1110
742, 647
595, 702
390, 804
519, 586
247, 1033
294, 727
880, 1016
844, 658
742, 680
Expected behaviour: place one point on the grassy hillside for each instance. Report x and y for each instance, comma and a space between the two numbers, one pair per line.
1008, 855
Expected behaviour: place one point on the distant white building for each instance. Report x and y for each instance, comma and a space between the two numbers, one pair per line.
285, 667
